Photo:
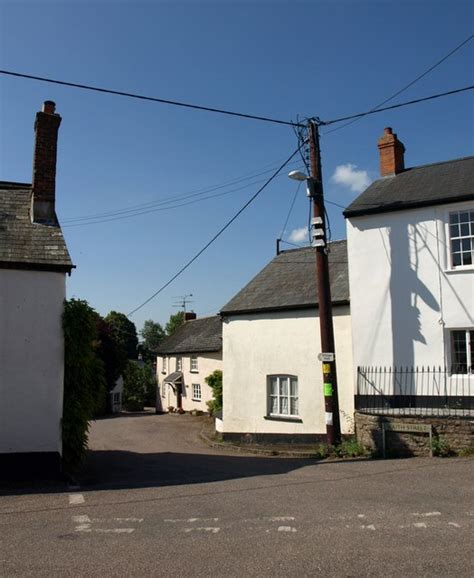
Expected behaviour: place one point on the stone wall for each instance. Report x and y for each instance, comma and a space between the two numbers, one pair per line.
455, 433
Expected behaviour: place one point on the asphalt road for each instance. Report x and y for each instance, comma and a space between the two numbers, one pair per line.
154, 500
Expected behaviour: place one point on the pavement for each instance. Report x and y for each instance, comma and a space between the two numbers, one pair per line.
155, 500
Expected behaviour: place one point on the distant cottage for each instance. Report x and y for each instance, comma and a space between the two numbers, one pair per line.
34, 261
184, 360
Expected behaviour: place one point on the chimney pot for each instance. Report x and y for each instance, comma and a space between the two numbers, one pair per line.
49, 107
392, 160
190, 316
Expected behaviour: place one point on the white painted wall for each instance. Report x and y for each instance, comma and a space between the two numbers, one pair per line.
405, 297
207, 363
258, 345
31, 360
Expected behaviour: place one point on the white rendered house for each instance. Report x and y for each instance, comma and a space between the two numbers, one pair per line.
184, 360
411, 266
273, 386
34, 261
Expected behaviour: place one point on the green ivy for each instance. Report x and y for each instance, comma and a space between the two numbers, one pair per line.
84, 379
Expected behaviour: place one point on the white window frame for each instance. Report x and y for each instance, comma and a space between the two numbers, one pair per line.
449, 245
193, 364
469, 350
280, 397
179, 364
163, 366
197, 392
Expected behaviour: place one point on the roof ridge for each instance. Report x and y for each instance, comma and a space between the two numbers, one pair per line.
437, 163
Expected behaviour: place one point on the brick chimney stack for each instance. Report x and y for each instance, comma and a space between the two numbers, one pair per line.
392, 151
44, 164
190, 316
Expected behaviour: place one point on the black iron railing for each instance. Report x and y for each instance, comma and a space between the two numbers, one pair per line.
425, 391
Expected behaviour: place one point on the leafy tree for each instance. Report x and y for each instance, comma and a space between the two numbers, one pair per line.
84, 379
214, 381
152, 334
125, 333
174, 322
110, 351
139, 386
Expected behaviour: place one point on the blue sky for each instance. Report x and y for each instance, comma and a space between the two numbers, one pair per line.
280, 59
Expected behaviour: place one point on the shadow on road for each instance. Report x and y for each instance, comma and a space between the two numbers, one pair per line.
124, 469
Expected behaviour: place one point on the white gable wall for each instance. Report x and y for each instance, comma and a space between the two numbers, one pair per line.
262, 344
31, 360
404, 295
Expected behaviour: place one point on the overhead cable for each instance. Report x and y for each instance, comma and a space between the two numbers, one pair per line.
219, 233
407, 86
148, 98
417, 100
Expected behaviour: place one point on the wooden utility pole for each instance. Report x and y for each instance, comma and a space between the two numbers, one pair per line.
319, 240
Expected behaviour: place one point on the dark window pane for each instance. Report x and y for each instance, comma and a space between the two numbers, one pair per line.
454, 230
464, 217
466, 244
467, 258
454, 218
456, 259
464, 229
456, 246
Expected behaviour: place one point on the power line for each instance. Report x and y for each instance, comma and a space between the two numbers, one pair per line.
144, 208
108, 219
468, 39
290, 209
148, 98
218, 234
432, 97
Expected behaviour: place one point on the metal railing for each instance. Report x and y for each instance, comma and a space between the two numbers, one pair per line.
425, 391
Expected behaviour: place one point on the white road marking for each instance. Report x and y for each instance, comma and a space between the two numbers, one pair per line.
420, 525
205, 529
369, 527
286, 529
280, 519
81, 519
361, 515
76, 499
426, 514
454, 524
190, 520
84, 523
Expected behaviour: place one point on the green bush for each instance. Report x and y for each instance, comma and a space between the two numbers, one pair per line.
441, 447
84, 379
214, 381
349, 448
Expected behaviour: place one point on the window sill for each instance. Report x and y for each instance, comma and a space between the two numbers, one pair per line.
193, 399
283, 418
194, 371
459, 269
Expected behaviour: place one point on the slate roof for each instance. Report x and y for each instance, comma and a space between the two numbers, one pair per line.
24, 244
289, 282
195, 336
428, 185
